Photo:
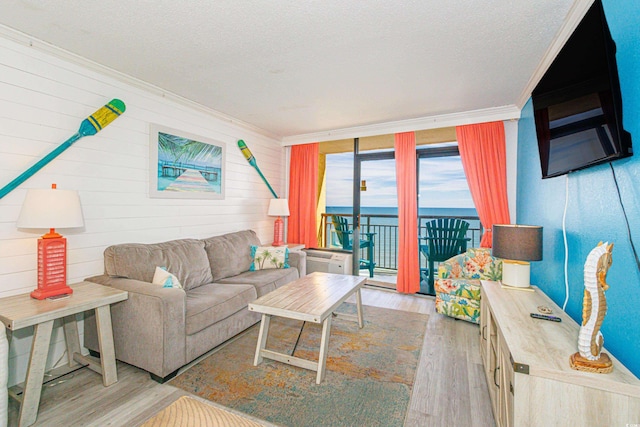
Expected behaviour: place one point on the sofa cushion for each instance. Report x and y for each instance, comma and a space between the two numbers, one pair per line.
264, 281
230, 254
211, 303
185, 258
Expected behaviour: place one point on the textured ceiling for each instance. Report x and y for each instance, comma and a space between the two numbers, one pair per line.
295, 68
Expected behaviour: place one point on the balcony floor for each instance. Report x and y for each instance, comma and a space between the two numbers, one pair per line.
382, 278
387, 279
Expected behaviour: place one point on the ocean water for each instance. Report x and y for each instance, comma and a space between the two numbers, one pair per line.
386, 239
434, 212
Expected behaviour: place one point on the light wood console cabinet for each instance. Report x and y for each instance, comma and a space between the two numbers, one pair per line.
526, 363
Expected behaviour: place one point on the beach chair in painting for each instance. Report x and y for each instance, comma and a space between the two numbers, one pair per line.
344, 234
445, 238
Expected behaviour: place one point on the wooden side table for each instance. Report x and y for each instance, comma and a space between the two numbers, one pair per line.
21, 311
293, 246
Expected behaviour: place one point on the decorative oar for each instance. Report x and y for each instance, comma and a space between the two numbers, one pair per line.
252, 161
89, 126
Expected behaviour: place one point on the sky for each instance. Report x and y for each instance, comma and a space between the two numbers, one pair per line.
442, 182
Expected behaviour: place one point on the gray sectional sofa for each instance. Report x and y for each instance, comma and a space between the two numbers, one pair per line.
162, 329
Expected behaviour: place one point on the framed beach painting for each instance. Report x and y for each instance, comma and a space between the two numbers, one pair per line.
185, 166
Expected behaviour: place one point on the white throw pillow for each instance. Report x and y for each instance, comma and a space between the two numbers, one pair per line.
165, 279
269, 257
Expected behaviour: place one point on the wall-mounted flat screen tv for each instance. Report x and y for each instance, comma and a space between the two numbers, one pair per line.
578, 105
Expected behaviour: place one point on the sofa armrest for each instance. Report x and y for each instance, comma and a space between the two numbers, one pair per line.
298, 260
148, 328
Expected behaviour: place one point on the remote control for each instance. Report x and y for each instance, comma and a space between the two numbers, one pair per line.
546, 317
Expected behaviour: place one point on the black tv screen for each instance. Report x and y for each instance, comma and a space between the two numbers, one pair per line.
578, 105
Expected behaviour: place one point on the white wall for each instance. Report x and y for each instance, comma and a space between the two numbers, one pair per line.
43, 98
511, 142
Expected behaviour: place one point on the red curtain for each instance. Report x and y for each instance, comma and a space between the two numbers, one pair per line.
483, 155
303, 200
408, 256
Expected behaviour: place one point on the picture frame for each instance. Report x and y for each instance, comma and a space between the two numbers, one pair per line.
184, 165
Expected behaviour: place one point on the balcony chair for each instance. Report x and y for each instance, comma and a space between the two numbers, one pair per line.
446, 237
345, 239
458, 283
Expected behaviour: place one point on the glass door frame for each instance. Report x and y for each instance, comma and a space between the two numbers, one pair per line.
426, 153
358, 158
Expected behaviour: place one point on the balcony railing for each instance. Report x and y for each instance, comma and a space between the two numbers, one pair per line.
386, 239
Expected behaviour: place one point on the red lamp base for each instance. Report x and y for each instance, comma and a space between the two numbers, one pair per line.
51, 292
278, 233
52, 267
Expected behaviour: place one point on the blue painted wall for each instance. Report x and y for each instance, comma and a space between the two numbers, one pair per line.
594, 210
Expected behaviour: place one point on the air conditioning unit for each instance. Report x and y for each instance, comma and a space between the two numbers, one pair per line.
328, 261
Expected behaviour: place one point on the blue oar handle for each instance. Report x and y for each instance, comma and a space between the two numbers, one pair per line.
252, 161
89, 126
39, 165
265, 181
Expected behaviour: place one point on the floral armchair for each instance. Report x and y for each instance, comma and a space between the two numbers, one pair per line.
458, 283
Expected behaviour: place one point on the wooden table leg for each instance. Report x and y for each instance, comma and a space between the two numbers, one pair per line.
105, 341
4, 376
35, 373
359, 307
324, 348
71, 338
262, 339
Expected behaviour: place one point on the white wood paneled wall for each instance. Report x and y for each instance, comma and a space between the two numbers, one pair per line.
43, 99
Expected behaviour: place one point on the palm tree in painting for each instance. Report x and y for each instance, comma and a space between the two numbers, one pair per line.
194, 151
179, 149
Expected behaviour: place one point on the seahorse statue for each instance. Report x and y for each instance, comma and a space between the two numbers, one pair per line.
594, 308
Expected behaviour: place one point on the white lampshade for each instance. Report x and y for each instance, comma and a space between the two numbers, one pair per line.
278, 207
51, 208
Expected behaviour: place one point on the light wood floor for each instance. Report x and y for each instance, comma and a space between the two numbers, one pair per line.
450, 387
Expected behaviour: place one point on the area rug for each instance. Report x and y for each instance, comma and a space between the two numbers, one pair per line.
189, 412
368, 381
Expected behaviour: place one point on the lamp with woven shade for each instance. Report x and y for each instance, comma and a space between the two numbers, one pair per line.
279, 208
517, 245
51, 208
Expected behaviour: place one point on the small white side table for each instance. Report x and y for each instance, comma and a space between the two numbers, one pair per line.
21, 311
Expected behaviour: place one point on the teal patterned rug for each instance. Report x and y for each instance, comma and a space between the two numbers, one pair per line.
368, 382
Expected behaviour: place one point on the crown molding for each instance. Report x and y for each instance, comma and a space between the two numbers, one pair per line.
65, 55
576, 13
507, 112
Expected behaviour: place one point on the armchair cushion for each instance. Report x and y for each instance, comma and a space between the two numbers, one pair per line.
459, 298
479, 264
458, 284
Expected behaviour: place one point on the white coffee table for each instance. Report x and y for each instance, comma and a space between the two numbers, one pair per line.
312, 298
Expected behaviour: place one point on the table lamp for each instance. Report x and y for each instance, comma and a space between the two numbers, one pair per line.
517, 245
51, 208
279, 208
